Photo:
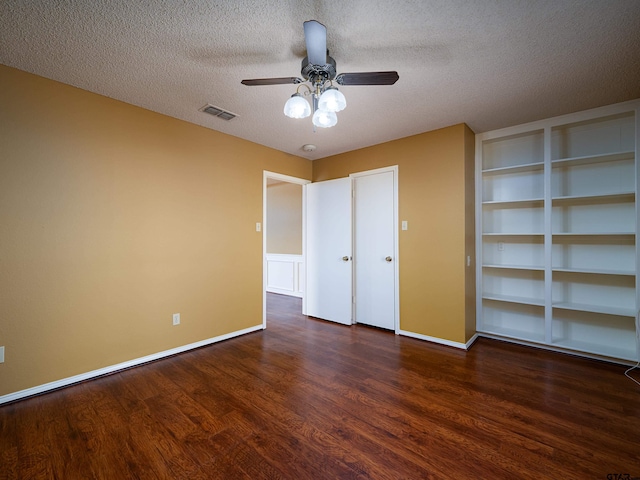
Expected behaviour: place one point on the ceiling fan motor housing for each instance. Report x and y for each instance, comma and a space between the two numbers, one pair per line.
315, 73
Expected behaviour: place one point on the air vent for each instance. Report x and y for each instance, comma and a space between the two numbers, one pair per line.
218, 112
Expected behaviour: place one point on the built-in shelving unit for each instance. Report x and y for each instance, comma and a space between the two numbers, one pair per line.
557, 221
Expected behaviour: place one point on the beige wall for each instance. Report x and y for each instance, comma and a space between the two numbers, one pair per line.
284, 218
435, 183
113, 218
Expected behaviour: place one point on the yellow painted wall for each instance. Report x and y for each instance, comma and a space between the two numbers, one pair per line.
112, 219
435, 187
470, 232
284, 218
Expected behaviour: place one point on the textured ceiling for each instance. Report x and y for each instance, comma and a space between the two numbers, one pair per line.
488, 63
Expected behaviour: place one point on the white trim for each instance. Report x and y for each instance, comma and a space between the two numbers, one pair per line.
471, 341
637, 189
375, 171
396, 253
441, 341
550, 348
548, 238
285, 178
478, 233
12, 397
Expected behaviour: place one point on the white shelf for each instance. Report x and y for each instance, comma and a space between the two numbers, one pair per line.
524, 203
538, 302
583, 307
529, 167
595, 199
512, 234
594, 234
559, 196
595, 271
515, 267
589, 159
612, 351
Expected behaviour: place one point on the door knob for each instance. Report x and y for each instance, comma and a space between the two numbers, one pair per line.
388, 259
345, 259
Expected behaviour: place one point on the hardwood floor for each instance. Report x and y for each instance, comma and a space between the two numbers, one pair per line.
307, 399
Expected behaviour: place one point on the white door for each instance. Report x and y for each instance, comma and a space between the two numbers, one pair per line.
329, 274
375, 249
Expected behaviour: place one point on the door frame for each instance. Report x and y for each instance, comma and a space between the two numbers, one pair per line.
396, 253
289, 179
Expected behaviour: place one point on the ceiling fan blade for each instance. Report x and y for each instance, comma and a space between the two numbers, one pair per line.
368, 78
315, 36
271, 81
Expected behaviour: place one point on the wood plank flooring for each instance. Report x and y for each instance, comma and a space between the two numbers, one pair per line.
307, 399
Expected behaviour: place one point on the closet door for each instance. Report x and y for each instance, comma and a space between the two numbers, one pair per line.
375, 252
329, 257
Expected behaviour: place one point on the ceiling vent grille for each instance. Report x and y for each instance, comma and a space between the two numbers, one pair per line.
218, 112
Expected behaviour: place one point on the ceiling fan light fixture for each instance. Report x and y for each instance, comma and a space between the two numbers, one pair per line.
297, 107
324, 119
319, 70
332, 100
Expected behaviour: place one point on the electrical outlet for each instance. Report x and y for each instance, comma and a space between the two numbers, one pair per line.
1, 354
176, 319
500, 246
405, 225
258, 227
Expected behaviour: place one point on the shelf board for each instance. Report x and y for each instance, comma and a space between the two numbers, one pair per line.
535, 268
595, 271
588, 159
621, 197
583, 307
528, 202
512, 234
538, 302
592, 234
527, 167
605, 350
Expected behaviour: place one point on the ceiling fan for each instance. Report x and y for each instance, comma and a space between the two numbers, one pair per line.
319, 69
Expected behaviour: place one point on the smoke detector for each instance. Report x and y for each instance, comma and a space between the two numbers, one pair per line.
309, 147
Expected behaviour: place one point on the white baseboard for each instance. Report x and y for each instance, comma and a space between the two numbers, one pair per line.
441, 341
284, 292
12, 397
472, 340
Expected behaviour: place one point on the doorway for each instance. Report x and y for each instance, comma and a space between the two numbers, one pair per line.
283, 233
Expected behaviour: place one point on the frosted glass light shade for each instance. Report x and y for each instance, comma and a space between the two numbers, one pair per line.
332, 100
324, 119
297, 107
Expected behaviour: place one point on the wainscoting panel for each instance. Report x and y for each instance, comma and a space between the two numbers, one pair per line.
285, 274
